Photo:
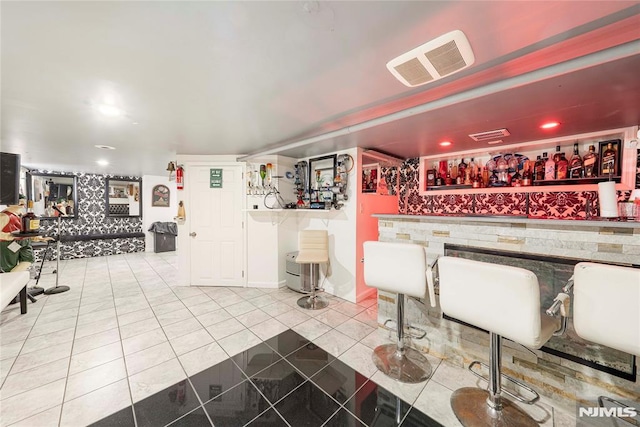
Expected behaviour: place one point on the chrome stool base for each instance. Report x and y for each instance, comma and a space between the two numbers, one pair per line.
313, 302
411, 367
56, 290
472, 410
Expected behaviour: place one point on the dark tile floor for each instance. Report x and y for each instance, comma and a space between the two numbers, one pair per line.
284, 381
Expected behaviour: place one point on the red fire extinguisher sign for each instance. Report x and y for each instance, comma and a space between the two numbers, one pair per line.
180, 178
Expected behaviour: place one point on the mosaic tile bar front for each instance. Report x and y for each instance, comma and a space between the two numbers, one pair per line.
559, 379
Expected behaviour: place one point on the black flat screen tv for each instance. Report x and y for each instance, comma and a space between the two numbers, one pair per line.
9, 178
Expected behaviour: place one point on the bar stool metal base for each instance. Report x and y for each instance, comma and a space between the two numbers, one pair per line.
411, 367
472, 410
56, 290
35, 291
313, 302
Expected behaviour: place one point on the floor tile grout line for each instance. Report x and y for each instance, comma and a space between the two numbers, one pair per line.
197, 397
66, 381
124, 360
201, 406
271, 406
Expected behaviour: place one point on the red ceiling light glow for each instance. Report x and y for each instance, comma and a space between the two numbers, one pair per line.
549, 125
445, 143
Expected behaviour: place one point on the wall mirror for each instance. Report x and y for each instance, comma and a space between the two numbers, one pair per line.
322, 171
47, 190
124, 197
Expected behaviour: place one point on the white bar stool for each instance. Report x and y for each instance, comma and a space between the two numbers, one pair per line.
505, 301
313, 248
399, 268
606, 308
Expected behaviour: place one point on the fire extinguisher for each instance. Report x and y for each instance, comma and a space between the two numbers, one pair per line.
180, 178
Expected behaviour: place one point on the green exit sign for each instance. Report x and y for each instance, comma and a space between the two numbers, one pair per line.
215, 178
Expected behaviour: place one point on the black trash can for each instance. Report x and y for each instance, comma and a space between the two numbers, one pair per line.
164, 236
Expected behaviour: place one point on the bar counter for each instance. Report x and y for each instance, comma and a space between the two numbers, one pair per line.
562, 380
595, 240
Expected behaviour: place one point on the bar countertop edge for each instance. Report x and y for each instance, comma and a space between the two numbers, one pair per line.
514, 219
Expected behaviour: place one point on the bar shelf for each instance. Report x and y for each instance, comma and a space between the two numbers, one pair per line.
524, 189
576, 181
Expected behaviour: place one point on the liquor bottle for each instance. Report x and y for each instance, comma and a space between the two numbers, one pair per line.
516, 179
493, 179
485, 176
575, 165
431, 176
442, 170
439, 180
550, 169
473, 167
556, 155
467, 176
476, 182
590, 162
538, 168
454, 170
30, 222
609, 161
562, 167
461, 168
527, 177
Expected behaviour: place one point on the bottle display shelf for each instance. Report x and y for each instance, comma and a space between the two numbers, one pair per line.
576, 181
554, 182
451, 187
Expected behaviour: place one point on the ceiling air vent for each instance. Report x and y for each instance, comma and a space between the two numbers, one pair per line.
433, 60
489, 135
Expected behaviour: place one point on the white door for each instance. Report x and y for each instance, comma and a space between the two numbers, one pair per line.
216, 226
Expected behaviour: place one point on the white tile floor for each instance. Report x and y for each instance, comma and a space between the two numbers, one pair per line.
124, 332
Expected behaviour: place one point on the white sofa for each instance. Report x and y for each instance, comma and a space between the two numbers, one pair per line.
12, 284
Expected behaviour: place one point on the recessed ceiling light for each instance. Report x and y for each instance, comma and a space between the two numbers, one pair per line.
102, 162
549, 125
110, 110
445, 143
134, 123
105, 147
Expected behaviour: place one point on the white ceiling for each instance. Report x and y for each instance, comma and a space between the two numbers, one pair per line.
241, 77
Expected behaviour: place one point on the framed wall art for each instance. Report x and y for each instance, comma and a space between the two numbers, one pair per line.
160, 196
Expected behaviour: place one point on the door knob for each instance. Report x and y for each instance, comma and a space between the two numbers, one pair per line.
192, 234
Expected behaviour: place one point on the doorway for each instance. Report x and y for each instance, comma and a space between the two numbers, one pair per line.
216, 227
